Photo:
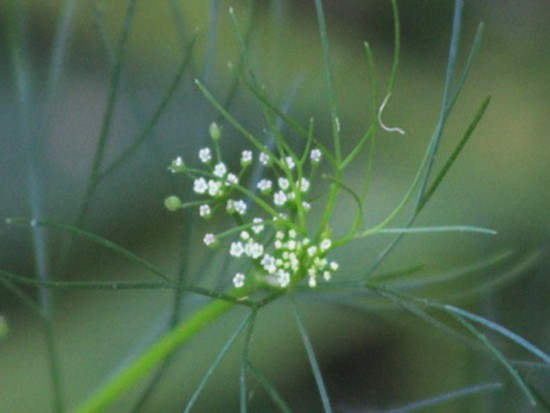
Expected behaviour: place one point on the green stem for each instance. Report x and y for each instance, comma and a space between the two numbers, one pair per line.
158, 352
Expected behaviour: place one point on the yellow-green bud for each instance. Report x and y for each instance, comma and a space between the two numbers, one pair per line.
172, 203
215, 131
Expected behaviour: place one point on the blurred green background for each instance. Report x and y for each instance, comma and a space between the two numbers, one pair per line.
372, 358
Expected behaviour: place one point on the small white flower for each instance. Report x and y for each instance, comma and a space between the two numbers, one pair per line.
214, 188
315, 156
209, 239
236, 249
283, 278
325, 244
258, 227
312, 282
289, 162
232, 179
268, 263
304, 184
279, 198
291, 245
205, 211
326, 275
220, 170
265, 186
238, 280
240, 207
246, 158
245, 235
306, 205
200, 186
253, 249
312, 251
177, 165
334, 266
264, 158
205, 155
283, 183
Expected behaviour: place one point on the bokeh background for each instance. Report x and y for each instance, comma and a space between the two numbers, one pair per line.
373, 356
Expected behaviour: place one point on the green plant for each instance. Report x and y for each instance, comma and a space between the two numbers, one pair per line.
283, 209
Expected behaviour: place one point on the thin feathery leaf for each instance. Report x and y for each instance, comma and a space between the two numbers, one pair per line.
396, 47
104, 133
20, 65
331, 94
61, 44
123, 286
447, 397
270, 389
209, 373
358, 218
501, 330
453, 274
469, 65
245, 362
96, 239
155, 117
7, 280
514, 374
454, 155
430, 230
312, 358
447, 98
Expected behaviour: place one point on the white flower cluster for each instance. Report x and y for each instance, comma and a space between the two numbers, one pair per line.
289, 258
283, 258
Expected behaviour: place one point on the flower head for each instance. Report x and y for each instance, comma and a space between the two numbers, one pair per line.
274, 243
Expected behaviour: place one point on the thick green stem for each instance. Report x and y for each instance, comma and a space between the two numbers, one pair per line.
158, 352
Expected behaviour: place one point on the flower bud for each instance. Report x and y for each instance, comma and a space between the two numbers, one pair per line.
215, 131
172, 203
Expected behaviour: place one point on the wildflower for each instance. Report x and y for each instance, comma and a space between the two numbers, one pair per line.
325, 244
258, 227
220, 170
304, 185
265, 186
315, 156
205, 211
264, 159
210, 240
279, 198
240, 207
289, 162
177, 165
238, 280
283, 183
205, 155
246, 158
200, 186
232, 179
236, 206
287, 256
237, 249
214, 188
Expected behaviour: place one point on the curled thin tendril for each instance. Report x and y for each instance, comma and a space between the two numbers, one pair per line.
381, 123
